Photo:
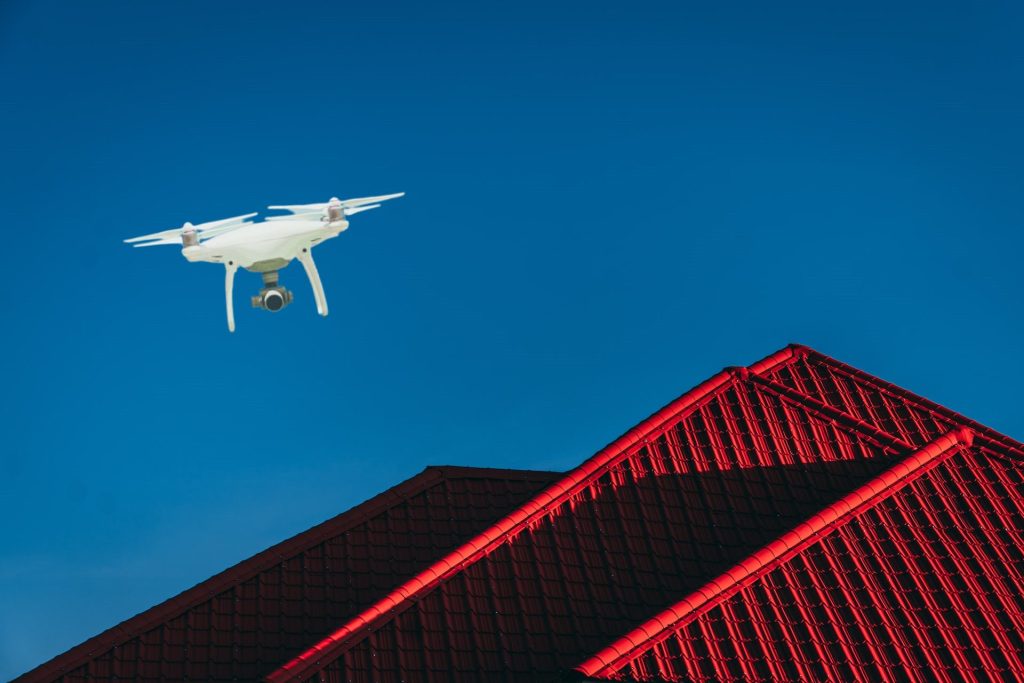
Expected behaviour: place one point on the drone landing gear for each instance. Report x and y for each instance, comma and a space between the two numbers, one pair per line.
306, 259
273, 297
229, 288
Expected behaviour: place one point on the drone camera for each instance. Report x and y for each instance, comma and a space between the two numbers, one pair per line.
272, 299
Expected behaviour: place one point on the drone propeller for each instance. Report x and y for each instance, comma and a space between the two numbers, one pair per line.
357, 209
204, 230
315, 217
160, 242
295, 218
348, 206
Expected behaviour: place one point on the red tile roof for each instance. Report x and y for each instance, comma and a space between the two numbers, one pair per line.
247, 620
794, 519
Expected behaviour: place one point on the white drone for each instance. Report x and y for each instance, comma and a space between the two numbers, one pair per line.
266, 247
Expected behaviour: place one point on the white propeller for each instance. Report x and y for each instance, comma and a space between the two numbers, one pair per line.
348, 206
204, 231
313, 216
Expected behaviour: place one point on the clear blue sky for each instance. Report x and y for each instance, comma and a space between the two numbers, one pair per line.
607, 202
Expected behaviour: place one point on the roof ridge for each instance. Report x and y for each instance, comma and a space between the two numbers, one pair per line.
479, 545
238, 573
771, 555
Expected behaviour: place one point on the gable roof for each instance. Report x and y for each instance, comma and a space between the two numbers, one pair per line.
241, 623
668, 507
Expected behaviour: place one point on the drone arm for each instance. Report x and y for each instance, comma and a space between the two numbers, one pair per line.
306, 258
229, 288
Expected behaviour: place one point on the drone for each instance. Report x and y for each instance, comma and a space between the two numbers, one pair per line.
266, 247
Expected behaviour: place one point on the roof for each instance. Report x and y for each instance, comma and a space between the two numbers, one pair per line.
794, 519
680, 501
241, 623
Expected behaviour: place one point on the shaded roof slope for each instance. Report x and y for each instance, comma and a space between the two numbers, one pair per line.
245, 621
673, 505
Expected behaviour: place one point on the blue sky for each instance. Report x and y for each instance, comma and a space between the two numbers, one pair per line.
607, 203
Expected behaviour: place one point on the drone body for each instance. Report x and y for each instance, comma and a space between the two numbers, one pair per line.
266, 247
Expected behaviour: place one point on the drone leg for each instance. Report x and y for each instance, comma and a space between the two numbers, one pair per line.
306, 258
229, 288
